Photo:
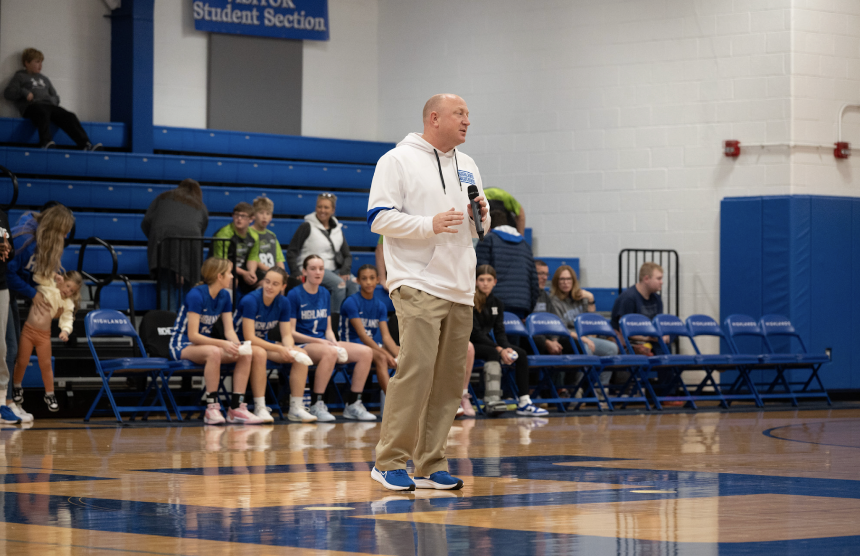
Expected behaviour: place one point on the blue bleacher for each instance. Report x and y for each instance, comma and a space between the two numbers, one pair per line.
21, 130
138, 196
264, 145
61, 162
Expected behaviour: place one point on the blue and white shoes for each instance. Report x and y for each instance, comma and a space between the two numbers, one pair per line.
440, 480
531, 410
393, 480
7, 417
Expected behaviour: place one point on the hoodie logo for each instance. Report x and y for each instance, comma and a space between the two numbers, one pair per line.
466, 177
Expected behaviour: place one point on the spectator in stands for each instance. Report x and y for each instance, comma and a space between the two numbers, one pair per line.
567, 300
179, 212
542, 302
7, 416
259, 312
515, 214
642, 298
38, 250
311, 323
322, 235
489, 316
268, 246
242, 246
364, 320
506, 250
63, 294
192, 340
37, 100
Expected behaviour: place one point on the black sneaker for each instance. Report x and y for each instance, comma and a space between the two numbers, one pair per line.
18, 395
49, 145
51, 400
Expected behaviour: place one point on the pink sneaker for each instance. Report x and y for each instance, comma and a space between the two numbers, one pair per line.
213, 414
466, 406
241, 416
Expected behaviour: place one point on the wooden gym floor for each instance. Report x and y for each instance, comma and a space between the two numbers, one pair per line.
752, 483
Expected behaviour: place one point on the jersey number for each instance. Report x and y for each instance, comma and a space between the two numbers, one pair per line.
267, 259
316, 323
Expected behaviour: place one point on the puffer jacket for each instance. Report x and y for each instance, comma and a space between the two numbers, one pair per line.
507, 252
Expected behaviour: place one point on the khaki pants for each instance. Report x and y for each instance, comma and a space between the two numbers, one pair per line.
424, 394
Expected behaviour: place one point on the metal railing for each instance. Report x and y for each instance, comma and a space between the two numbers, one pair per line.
8, 173
629, 261
186, 245
101, 281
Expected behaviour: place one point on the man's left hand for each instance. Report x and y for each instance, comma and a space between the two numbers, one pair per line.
484, 208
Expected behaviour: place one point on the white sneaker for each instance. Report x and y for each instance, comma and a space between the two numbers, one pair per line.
358, 412
300, 413
264, 413
19, 411
320, 411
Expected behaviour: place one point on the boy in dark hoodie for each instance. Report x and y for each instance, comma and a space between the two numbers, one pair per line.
37, 100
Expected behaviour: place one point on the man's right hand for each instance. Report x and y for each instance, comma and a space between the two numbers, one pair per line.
554, 347
29, 97
445, 222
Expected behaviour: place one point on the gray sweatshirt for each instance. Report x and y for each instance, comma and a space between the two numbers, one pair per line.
24, 83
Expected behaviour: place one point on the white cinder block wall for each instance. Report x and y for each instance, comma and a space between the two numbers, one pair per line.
75, 38
825, 75
606, 119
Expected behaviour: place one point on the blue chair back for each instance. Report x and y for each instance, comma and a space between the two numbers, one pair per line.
670, 325
635, 324
703, 325
108, 322
514, 326
547, 324
738, 326
780, 325
592, 324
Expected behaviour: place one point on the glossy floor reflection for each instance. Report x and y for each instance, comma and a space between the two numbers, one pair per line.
675, 484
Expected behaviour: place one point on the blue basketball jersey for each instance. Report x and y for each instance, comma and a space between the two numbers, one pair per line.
265, 318
310, 310
370, 311
199, 301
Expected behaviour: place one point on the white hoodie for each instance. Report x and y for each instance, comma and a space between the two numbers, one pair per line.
405, 195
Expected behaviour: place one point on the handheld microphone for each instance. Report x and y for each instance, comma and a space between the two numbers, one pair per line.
476, 211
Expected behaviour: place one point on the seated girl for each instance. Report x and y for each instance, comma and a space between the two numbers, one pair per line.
259, 312
364, 320
311, 323
192, 341
567, 300
489, 316
63, 293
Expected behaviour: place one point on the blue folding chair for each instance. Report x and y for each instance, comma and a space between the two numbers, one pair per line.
636, 388
586, 367
739, 326
703, 325
779, 326
104, 323
672, 365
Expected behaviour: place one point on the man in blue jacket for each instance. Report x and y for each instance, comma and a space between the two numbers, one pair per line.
508, 252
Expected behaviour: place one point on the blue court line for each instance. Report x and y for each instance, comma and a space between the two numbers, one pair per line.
294, 527
45, 477
769, 433
488, 467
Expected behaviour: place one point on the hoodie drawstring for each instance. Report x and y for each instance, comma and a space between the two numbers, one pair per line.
457, 166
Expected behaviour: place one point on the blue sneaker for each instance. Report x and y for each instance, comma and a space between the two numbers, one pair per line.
440, 480
7, 417
531, 410
393, 480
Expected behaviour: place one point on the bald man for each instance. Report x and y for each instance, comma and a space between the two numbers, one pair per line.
419, 202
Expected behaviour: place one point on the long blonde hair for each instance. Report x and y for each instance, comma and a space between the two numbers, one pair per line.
212, 269
481, 297
53, 225
554, 289
75, 276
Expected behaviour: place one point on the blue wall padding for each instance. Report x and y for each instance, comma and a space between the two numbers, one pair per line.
798, 256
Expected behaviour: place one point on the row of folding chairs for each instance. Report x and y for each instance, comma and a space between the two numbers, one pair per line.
659, 378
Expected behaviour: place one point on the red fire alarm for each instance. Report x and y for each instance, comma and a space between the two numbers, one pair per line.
842, 150
732, 148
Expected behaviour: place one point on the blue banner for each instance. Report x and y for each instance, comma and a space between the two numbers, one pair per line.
283, 19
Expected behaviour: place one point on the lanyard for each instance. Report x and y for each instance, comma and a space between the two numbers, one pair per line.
457, 166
